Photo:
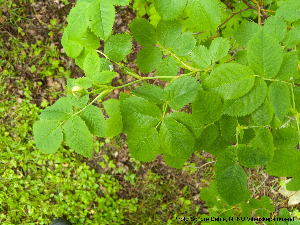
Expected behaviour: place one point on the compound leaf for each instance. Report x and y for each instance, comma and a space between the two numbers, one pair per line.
170, 9
285, 163
47, 135
279, 94
219, 48
207, 107
60, 110
176, 140
232, 184
101, 15
265, 55
143, 144
181, 92
78, 137
249, 102
138, 112
143, 32
205, 15
230, 80
148, 58
94, 120
118, 46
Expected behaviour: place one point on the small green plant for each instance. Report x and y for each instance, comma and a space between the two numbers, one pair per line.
235, 95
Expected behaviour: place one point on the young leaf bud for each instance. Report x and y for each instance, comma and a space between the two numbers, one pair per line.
78, 91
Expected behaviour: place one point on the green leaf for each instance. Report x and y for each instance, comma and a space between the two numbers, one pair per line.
91, 65
207, 137
230, 80
188, 121
94, 120
285, 163
118, 46
286, 138
148, 58
78, 21
144, 144
121, 2
72, 48
79, 102
289, 10
248, 156
181, 92
184, 44
89, 40
143, 32
114, 124
83, 82
246, 31
61, 110
249, 102
101, 15
275, 27
80, 59
205, 15
289, 66
264, 142
175, 139
279, 94
265, 55
264, 114
226, 159
294, 184
167, 67
150, 92
170, 9
78, 137
105, 77
47, 135
297, 97
219, 48
200, 57
138, 112
207, 107
167, 32
228, 126
174, 161
292, 39
232, 184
